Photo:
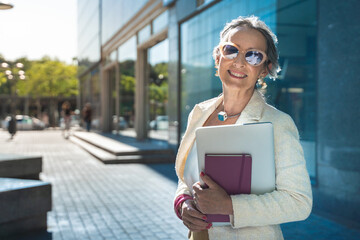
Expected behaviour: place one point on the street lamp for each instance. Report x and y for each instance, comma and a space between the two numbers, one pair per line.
13, 72
4, 5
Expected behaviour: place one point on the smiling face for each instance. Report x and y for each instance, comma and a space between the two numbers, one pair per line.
237, 73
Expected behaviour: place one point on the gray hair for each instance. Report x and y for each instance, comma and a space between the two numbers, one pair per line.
271, 40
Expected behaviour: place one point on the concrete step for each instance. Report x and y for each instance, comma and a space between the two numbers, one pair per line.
106, 157
23, 205
93, 150
18, 166
112, 146
119, 148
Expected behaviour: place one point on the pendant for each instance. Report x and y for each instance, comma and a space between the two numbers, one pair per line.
222, 116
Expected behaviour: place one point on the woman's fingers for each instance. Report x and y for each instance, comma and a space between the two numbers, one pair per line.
195, 224
192, 218
189, 208
208, 181
212, 199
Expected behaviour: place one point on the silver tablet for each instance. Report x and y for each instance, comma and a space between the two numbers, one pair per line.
256, 139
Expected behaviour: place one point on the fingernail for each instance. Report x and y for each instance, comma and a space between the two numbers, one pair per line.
202, 174
204, 217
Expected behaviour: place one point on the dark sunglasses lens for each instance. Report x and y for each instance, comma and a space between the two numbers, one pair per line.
254, 57
230, 52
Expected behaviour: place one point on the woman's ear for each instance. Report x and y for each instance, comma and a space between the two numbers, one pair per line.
266, 70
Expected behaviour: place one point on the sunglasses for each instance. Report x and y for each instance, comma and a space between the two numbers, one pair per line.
253, 57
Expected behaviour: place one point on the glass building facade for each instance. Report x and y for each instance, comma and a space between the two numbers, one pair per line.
115, 14
294, 92
89, 33
137, 87
89, 49
100, 22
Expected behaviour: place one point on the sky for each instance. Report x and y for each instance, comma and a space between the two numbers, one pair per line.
35, 28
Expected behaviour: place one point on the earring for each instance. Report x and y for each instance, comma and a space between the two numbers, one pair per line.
217, 71
261, 83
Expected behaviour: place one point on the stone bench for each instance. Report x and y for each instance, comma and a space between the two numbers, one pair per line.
23, 206
18, 166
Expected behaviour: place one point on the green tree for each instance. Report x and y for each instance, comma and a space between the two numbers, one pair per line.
49, 78
158, 89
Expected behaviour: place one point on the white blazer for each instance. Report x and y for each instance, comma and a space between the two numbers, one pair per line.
258, 216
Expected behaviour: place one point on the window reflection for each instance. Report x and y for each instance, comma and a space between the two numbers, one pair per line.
160, 22
127, 59
117, 13
158, 90
144, 34
89, 37
90, 89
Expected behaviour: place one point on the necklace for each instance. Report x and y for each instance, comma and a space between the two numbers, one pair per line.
222, 116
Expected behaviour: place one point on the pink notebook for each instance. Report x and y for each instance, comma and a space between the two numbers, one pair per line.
232, 172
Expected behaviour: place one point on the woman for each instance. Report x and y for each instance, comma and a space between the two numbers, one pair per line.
245, 55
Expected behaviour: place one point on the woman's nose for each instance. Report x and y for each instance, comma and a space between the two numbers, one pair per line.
239, 60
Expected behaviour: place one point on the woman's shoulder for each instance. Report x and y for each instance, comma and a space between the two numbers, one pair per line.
276, 116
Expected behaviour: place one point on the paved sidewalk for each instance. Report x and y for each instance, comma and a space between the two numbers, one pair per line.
125, 201
96, 201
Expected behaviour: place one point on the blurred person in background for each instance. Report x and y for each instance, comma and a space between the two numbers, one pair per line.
45, 119
66, 114
87, 112
12, 126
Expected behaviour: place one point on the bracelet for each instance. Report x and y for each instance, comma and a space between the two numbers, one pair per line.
178, 201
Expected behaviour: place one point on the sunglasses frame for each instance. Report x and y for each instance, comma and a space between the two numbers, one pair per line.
221, 47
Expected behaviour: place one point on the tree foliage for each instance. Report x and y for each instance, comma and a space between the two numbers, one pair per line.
127, 85
49, 78
158, 87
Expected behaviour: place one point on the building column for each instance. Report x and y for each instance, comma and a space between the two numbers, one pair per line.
141, 73
105, 100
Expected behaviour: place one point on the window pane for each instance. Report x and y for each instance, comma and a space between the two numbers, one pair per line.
160, 22
144, 34
127, 59
158, 58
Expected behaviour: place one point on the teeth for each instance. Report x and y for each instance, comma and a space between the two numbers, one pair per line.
237, 74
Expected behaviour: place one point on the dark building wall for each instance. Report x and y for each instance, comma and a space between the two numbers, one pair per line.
338, 136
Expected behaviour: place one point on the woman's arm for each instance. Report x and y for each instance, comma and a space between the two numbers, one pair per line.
292, 199
185, 209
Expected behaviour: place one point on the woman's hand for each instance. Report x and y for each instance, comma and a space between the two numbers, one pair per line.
211, 200
192, 218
